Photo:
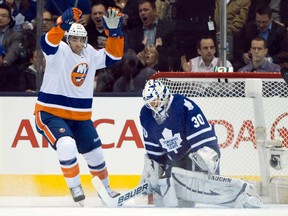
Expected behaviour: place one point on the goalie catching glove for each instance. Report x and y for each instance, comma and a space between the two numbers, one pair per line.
70, 16
113, 23
152, 171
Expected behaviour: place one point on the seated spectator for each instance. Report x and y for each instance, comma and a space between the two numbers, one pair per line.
206, 61
95, 29
29, 77
152, 29
259, 62
279, 10
10, 39
105, 77
275, 35
28, 8
28, 42
9, 75
133, 74
149, 57
48, 21
56, 8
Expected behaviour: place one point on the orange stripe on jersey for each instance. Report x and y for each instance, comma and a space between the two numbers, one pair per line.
44, 128
55, 35
115, 46
71, 172
62, 113
101, 174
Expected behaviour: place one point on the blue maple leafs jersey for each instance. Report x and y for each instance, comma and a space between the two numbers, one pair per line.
186, 129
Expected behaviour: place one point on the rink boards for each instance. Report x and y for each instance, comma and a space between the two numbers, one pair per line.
28, 166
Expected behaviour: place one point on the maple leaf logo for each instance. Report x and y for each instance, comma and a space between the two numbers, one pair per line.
170, 142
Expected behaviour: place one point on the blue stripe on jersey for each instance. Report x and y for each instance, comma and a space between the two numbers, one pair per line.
47, 49
65, 101
109, 61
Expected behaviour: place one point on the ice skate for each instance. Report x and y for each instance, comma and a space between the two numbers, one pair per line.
78, 195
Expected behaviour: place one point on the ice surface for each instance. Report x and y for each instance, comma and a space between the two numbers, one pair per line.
64, 206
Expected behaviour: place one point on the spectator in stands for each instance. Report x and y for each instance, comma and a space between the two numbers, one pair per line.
276, 36
9, 39
48, 21
130, 10
259, 62
237, 14
105, 77
149, 57
57, 7
279, 10
28, 8
194, 20
152, 29
206, 61
28, 77
133, 75
95, 29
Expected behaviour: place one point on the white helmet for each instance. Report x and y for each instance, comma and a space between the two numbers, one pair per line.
156, 91
78, 30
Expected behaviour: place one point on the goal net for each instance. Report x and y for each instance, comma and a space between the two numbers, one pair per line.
250, 114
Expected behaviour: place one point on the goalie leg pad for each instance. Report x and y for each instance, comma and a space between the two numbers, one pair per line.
200, 187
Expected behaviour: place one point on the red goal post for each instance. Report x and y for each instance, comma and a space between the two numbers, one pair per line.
250, 114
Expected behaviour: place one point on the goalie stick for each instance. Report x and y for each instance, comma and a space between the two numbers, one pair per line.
119, 200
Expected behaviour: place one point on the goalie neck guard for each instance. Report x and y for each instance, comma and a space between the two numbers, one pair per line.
77, 30
156, 97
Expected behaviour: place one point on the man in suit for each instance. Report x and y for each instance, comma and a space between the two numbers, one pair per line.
275, 35
9, 39
279, 10
152, 30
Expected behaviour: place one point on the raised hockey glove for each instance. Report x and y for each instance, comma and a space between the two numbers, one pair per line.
113, 23
69, 16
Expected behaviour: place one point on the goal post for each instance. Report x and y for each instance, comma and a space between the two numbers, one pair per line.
250, 114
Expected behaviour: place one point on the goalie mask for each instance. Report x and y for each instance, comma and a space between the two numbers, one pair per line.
77, 30
156, 96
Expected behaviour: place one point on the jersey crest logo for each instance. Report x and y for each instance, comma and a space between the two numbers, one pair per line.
169, 141
79, 74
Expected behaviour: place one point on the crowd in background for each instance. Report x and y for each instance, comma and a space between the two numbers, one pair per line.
160, 35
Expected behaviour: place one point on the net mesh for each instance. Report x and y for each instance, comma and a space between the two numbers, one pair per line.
226, 105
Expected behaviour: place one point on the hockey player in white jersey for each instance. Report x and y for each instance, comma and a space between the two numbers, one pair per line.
183, 157
64, 105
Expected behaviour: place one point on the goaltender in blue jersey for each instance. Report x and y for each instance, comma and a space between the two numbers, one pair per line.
174, 126
182, 157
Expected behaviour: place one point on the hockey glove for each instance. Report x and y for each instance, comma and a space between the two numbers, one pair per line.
69, 16
113, 23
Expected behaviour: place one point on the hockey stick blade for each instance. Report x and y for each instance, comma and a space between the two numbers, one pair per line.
119, 200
